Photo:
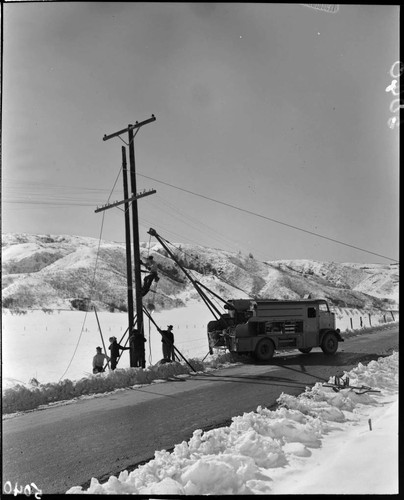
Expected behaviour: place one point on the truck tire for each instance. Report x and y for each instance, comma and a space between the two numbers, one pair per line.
305, 350
264, 350
329, 344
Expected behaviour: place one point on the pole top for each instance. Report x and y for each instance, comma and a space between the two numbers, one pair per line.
129, 127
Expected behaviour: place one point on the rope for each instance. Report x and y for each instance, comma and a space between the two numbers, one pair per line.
102, 338
150, 353
92, 288
93, 280
148, 248
152, 303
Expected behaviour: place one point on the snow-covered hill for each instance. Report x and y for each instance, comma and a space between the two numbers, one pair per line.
60, 272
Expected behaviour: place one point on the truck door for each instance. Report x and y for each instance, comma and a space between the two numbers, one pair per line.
310, 328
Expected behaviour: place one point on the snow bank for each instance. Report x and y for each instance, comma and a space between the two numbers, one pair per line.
50, 340
259, 448
23, 397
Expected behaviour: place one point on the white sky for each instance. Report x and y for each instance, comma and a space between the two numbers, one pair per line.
280, 110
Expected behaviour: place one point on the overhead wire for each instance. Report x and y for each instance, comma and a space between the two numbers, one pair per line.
162, 205
182, 238
39, 193
268, 218
217, 276
196, 224
58, 201
157, 226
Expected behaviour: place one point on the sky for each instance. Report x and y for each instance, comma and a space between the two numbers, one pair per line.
271, 134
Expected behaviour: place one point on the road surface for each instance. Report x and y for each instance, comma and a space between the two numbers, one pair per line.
64, 446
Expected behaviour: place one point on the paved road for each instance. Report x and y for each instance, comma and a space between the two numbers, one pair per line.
65, 446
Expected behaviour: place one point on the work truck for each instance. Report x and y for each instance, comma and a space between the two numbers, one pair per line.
260, 327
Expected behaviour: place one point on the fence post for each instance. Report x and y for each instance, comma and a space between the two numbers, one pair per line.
370, 320
361, 321
392, 315
350, 319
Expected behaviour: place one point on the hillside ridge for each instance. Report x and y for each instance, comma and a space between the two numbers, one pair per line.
62, 271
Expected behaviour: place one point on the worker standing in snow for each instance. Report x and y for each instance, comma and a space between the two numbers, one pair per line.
152, 276
167, 339
137, 342
114, 348
98, 361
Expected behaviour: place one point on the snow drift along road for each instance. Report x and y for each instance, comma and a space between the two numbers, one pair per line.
319, 442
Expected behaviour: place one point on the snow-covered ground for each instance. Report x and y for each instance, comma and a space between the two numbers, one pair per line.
49, 347
321, 442
61, 345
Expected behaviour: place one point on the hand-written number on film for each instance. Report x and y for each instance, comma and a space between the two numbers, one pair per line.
395, 72
20, 490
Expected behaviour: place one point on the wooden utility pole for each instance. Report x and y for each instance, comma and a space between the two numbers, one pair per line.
135, 229
128, 249
136, 242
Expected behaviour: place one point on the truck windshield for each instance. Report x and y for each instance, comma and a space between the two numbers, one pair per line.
323, 307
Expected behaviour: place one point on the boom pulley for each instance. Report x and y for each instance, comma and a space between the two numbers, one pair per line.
199, 287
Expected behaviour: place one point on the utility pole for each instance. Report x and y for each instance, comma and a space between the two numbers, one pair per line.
128, 249
136, 242
135, 228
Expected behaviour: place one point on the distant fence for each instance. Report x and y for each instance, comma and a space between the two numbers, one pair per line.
346, 319
356, 319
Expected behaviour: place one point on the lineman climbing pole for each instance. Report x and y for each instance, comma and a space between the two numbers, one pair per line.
135, 228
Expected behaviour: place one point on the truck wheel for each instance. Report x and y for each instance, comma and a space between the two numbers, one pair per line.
264, 350
306, 350
329, 345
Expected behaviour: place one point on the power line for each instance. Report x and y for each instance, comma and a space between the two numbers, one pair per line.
269, 218
199, 225
39, 193
67, 201
51, 203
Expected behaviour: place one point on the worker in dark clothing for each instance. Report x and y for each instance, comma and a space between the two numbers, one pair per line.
152, 276
167, 339
114, 348
137, 342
